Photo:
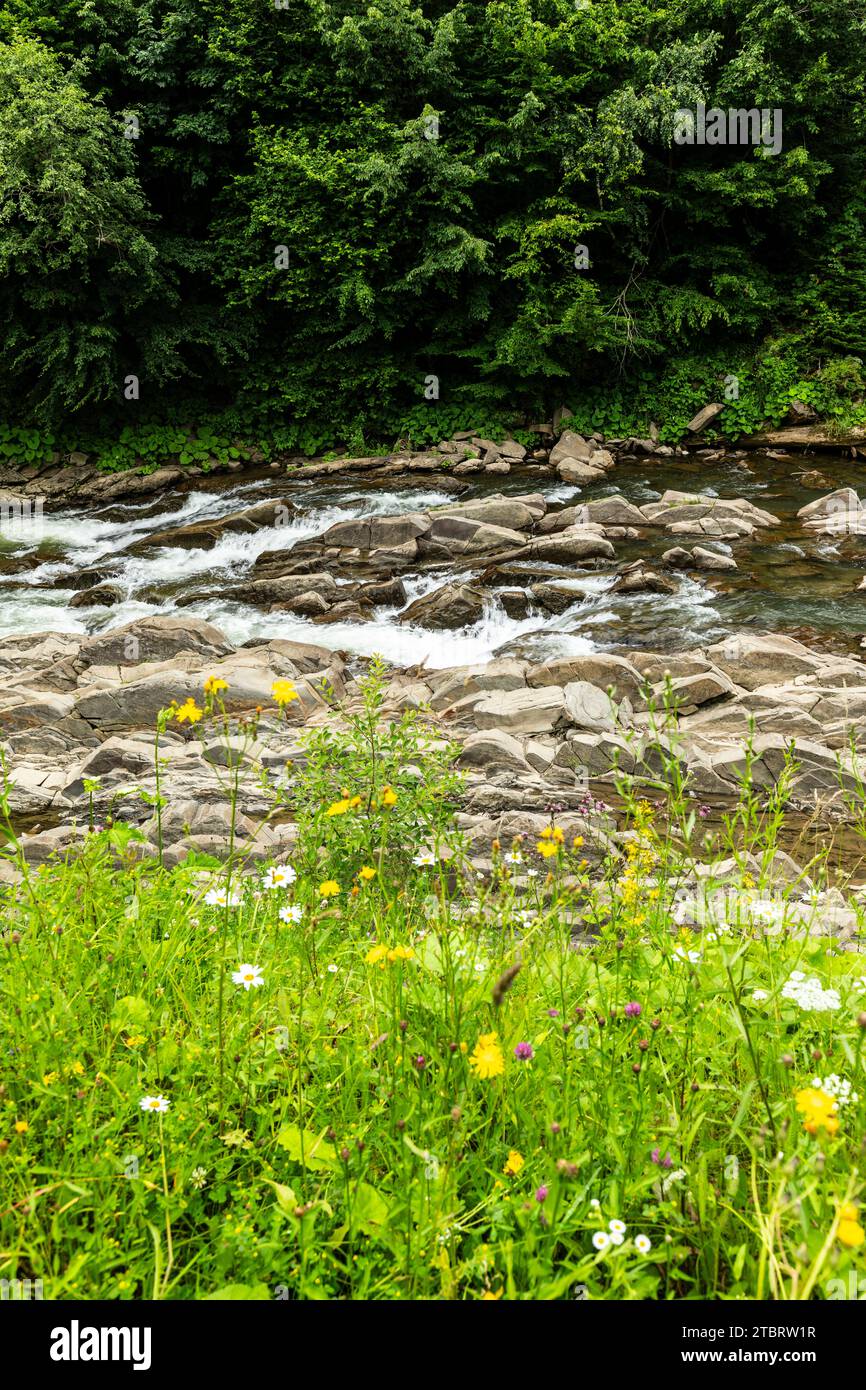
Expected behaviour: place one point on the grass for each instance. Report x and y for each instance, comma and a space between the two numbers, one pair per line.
446, 1085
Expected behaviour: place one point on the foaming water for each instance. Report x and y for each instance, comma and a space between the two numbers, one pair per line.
785, 578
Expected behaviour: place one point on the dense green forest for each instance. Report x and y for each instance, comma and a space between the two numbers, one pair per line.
333, 223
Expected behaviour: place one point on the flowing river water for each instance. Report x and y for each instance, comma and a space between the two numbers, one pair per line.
787, 581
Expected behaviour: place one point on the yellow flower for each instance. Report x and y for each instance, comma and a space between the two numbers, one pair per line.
489, 1296
329, 889
77, 1068
487, 1060
851, 1233
817, 1109
389, 797
21, 1126
284, 692
513, 1163
214, 684
375, 954
339, 808
188, 712
401, 953
49, 1077
367, 873
577, 841
547, 847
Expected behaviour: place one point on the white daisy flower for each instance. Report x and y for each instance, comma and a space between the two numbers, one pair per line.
280, 876
158, 1104
601, 1240
616, 1238
513, 857
293, 913
617, 1227
594, 1203
219, 897
759, 996
424, 859
250, 976
333, 968
642, 1244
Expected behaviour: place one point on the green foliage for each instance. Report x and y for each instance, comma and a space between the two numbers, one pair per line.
430, 1093
429, 171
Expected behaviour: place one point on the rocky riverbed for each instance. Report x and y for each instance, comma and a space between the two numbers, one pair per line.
538, 608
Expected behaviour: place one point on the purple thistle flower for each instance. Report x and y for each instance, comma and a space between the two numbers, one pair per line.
553, 1013
541, 1194
523, 1051
632, 1010
420, 1061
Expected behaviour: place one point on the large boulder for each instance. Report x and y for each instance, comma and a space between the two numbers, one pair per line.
522, 711
376, 532
575, 543
152, 639
452, 606
750, 660
595, 668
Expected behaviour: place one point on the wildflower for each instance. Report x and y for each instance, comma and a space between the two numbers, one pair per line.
616, 1228
214, 684
524, 1052
513, 1163
401, 953
332, 968
817, 1109
338, 808
759, 996
49, 1078
547, 848
284, 692
389, 797
642, 1244
656, 1157
541, 1193
632, 1010
489, 1296
601, 1240
21, 1126
809, 993
616, 1238
367, 873
280, 876
188, 712
424, 860
849, 1230
198, 1177
376, 954
219, 897
250, 976
839, 1087
158, 1104
692, 957
514, 857
676, 1176
329, 889
487, 1060
293, 913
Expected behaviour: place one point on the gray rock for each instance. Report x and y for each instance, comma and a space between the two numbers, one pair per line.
522, 711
